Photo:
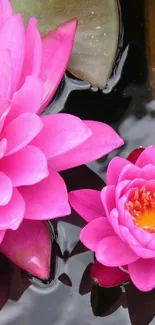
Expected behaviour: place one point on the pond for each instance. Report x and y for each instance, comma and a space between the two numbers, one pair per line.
70, 297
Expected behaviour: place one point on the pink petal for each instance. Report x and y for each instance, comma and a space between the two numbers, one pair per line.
33, 51
11, 215
142, 273
29, 247
26, 100
103, 140
3, 147
5, 106
95, 231
87, 203
125, 218
2, 124
50, 198
131, 172
112, 251
124, 215
5, 189
148, 172
113, 218
5, 11
26, 167
142, 236
146, 157
115, 167
57, 47
138, 183
12, 37
129, 238
61, 133
6, 73
135, 245
19, 136
108, 276
2, 234
151, 242
133, 156
143, 252
108, 198
121, 189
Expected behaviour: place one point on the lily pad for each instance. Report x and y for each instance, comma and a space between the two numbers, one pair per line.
97, 36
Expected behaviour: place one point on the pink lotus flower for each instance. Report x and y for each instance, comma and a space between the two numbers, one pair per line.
121, 219
32, 149
25, 57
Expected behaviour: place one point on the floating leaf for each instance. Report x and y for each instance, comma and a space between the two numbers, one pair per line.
97, 35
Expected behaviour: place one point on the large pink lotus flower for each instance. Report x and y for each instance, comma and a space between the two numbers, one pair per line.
121, 219
32, 149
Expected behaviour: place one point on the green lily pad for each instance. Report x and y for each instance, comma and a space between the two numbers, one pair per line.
97, 34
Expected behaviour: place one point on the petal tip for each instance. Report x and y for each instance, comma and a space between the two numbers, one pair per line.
67, 209
42, 273
71, 195
120, 142
68, 26
33, 21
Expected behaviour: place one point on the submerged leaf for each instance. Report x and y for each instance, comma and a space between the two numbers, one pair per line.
29, 247
97, 35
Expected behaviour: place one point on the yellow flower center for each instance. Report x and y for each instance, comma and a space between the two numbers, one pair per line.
142, 209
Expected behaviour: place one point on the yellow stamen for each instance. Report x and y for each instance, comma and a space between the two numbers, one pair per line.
142, 209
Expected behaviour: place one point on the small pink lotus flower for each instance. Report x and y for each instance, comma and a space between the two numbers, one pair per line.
121, 219
32, 149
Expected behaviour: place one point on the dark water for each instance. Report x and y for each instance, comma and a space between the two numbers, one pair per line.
71, 298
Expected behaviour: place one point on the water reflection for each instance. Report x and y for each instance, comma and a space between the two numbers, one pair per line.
13, 281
